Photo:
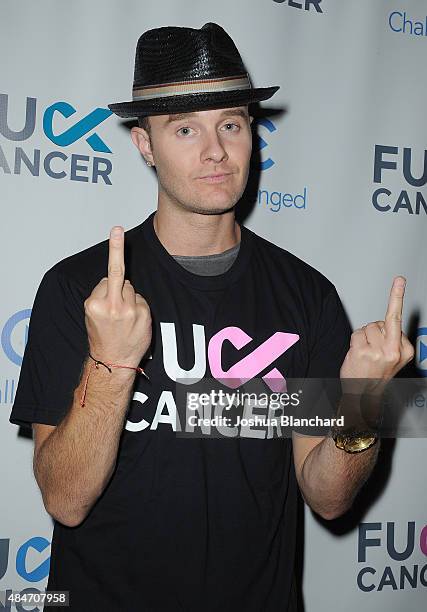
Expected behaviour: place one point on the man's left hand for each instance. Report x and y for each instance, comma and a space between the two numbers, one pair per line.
380, 349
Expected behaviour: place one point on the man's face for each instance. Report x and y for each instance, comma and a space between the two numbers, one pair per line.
189, 147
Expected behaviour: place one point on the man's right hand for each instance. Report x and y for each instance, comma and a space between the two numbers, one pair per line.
118, 320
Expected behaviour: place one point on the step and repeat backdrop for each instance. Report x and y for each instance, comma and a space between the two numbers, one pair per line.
341, 170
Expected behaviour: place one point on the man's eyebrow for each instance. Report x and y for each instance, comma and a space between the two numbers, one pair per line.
226, 113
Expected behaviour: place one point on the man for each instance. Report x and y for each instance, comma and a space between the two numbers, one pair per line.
145, 518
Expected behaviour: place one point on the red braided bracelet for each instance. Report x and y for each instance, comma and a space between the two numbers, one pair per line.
108, 366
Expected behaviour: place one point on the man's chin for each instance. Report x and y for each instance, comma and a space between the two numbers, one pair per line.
219, 209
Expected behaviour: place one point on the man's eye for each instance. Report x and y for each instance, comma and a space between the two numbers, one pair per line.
235, 125
183, 128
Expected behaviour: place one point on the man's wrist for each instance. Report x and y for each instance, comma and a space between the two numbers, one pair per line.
99, 379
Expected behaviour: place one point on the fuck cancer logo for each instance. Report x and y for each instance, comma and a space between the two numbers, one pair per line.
244, 370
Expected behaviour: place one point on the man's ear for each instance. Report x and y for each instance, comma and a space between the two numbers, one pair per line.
141, 140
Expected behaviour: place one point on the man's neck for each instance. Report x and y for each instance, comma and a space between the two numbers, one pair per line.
187, 233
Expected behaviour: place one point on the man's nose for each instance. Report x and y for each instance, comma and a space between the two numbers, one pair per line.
214, 147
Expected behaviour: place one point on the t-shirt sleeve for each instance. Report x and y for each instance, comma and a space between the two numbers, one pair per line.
331, 339
56, 349
330, 344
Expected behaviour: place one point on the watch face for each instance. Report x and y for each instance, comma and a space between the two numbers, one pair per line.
354, 444
359, 444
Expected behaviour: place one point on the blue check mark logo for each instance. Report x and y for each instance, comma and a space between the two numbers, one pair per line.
79, 129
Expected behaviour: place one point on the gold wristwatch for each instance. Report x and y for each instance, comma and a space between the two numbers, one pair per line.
354, 442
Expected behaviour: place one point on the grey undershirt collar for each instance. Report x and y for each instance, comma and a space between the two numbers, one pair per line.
209, 265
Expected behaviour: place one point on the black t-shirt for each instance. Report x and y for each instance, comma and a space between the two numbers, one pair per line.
185, 523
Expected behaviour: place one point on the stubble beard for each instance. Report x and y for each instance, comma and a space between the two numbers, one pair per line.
195, 205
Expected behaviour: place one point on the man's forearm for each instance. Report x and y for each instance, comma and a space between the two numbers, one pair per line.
331, 478
75, 462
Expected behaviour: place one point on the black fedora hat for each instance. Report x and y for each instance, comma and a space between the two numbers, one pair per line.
187, 69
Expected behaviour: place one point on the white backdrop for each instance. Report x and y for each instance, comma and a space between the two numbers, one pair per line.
353, 88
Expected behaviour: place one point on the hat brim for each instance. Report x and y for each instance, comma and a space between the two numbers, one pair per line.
191, 102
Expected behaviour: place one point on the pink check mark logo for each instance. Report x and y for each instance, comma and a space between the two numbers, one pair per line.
254, 363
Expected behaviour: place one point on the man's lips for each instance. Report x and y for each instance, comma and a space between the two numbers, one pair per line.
215, 178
